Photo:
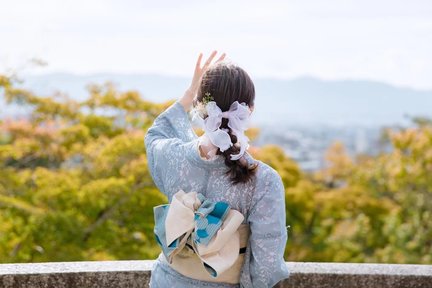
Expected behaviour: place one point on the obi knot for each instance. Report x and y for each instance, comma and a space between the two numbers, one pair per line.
209, 227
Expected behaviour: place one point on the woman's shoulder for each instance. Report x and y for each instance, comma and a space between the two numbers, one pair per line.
267, 174
269, 184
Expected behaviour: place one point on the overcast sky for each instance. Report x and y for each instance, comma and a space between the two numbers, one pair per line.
382, 40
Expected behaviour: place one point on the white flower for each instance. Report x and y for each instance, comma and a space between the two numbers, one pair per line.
200, 109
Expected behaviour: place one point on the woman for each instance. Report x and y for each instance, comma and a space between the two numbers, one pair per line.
218, 166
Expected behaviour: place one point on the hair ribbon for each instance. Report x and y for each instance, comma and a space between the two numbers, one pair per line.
238, 117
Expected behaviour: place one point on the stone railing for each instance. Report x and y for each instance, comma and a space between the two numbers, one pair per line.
136, 273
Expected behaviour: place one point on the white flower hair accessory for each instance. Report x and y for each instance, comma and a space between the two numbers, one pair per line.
200, 107
238, 120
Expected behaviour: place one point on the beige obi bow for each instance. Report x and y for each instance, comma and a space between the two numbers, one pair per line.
209, 228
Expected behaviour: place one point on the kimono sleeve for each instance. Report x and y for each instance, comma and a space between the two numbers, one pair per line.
268, 238
165, 143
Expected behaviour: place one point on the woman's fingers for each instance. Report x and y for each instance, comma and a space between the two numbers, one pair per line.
207, 63
198, 64
221, 58
199, 72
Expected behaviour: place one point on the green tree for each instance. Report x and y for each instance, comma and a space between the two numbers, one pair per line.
74, 185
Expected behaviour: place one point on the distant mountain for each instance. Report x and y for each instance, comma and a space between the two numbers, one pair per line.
301, 101
348, 102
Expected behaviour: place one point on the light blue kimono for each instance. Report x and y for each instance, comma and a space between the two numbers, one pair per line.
175, 163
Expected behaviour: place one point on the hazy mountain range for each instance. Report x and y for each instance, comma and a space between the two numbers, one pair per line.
301, 101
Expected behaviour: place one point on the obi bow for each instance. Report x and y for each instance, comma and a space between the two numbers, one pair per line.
210, 228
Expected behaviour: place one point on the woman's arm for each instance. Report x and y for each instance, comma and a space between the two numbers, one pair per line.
165, 140
165, 146
267, 220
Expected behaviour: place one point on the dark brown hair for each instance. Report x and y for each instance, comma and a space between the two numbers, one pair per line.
227, 83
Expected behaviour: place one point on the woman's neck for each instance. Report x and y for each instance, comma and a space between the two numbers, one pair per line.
206, 148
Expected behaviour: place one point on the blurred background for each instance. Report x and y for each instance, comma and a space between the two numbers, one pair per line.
343, 112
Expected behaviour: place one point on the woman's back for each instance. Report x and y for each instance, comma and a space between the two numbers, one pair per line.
223, 99
175, 163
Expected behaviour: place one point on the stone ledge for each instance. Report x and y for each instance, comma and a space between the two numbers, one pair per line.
136, 273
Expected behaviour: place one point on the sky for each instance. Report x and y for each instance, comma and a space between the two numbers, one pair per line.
381, 40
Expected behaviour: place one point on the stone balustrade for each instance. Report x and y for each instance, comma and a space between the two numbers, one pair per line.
136, 273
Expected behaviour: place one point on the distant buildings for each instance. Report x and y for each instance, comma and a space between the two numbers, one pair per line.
307, 144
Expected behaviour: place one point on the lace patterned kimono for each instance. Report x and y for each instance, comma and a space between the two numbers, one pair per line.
175, 163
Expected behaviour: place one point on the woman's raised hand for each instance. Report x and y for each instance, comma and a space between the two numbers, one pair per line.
190, 93
199, 71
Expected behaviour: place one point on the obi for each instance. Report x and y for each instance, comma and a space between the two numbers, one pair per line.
210, 229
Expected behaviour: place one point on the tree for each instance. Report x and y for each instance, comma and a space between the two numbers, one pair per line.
74, 185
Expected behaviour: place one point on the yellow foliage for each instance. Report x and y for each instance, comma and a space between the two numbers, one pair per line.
74, 185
